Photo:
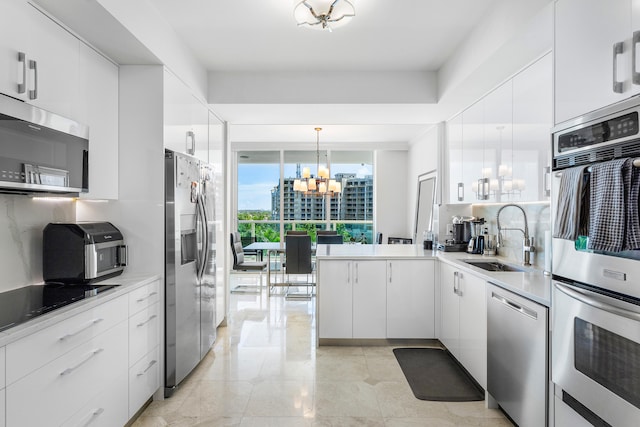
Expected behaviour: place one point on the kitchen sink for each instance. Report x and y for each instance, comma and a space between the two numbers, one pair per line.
493, 266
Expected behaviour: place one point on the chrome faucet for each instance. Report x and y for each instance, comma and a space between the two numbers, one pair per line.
527, 242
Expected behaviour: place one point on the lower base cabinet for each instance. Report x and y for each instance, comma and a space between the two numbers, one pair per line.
95, 368
464, 319
107, 409
376, 299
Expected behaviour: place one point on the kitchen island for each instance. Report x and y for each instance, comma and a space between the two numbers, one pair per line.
375, 293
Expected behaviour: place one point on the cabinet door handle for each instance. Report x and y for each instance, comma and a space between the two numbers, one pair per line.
22, 58
348, 273
390, 272
460, 276
153, 362
146, 321
618, 48
635, 75
455, 286
95, 414
191, 136
91, 355
356, 275
90, 324
461, 191
148, 296
33, 65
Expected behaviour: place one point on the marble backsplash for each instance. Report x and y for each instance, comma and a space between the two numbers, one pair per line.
538, 218
21, 223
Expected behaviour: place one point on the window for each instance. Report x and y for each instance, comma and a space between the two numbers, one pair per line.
267, 202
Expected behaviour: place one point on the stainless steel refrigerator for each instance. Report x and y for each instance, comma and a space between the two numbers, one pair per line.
190, 265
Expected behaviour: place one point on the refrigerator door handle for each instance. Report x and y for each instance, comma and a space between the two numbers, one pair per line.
199, 228
205, 246
202, 253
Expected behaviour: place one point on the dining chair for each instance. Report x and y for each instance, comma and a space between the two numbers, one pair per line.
296, 233
399, 241
298, 261
326, 233
329, 239
239, 264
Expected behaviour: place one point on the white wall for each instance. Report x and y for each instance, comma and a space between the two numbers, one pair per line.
22, 220
390, 200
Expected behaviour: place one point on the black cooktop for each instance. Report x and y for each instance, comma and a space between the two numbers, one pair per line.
23, 304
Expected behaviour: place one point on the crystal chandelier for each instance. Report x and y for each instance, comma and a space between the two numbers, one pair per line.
320, 184
323, 14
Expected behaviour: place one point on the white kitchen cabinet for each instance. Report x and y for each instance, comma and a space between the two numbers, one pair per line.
186, 119
532, 122
459, 189
464, 319
353, 299
67, 383
98, 108
478, 163
593, 54
498, 145
144, 328
410, 299
369, 299
144, 380
107, 409
216, 158
335, 299
50, 69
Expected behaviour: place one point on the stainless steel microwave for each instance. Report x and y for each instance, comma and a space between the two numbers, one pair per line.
83, 252
41, 152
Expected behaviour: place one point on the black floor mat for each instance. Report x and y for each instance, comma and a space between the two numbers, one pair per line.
433, 374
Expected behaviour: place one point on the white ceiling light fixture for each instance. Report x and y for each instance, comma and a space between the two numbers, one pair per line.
323, 14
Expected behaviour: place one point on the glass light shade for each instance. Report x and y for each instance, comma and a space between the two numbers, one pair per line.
312, 184
494, 185
323, 172
322, 187
507, 186
518, 184
332, 185
474, 186
342, 13
306, 172
296, 185
504, 170
338, 187
486, 172
303, 186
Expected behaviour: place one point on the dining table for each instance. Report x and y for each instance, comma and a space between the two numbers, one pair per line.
275, 248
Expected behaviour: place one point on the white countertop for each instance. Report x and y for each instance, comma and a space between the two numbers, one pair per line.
369, 251
531, 284
126, 283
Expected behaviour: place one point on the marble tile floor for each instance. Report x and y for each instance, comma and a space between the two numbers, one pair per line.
266, 371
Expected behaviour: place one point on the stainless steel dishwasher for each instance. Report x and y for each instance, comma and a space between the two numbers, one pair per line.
517, 364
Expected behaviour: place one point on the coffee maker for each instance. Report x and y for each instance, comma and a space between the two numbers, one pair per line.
476, 242
461, 235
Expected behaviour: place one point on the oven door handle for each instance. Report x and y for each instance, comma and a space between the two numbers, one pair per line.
595, 300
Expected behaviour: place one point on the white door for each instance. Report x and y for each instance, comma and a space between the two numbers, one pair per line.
449, 308
410, 299
335, 299
473, 327
585, 34
369, 299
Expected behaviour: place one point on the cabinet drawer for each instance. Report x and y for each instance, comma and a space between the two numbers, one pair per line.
107, 409
65, 385
144, 380
2, 367
144, 297
143, 332
30, 353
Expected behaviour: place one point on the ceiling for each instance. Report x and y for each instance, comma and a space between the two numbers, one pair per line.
385, 36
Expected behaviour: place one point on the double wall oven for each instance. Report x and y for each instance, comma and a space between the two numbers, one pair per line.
596, 294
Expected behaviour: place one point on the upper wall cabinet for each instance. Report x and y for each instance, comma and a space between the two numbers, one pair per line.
39, 61
596, 43
499, 147
186, 119
98, 108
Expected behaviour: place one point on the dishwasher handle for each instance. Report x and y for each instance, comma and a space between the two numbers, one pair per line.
515, 306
